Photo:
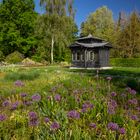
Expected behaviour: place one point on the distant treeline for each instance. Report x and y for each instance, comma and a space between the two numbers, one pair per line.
46, 37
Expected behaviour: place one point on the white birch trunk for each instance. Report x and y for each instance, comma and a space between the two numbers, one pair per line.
52, 47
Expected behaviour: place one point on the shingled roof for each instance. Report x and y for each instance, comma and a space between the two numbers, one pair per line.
94, 42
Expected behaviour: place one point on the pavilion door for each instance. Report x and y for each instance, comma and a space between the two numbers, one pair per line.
97, 64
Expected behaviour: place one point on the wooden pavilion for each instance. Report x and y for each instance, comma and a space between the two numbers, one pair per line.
90, 52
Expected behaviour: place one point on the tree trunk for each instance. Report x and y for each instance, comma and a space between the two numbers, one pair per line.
52, 46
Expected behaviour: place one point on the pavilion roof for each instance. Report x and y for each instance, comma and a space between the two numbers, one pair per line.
91, 45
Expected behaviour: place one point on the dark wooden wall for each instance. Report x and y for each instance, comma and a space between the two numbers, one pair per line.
101, 58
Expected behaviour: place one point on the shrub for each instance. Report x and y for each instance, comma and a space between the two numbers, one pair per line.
14, 57
1, 56
125, 62
22, 76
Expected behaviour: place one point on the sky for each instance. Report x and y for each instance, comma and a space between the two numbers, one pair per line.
85, 7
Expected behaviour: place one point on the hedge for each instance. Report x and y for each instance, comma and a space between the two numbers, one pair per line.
125, 62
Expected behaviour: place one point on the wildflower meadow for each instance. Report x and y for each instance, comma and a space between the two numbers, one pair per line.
62, 104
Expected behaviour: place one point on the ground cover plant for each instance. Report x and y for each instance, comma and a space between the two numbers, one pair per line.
67, 104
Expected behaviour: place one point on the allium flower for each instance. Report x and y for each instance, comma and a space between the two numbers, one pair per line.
2, 117
5, 103
134, 117
92, 125
112, 104
36, 97
73, 114
32, 115
109, 78
57, 97
122, 131
19, 83
34, 122
23, 94
113, 94
46, 120
55, 126
138, 108
33, 119
133, 92
111, 110
14, 105
133, 101
87, 106
113, 126
27, 103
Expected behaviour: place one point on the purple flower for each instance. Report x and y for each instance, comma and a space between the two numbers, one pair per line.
27, 103
112, 104
36, 97
134, 117
87, 106
55, 126
73, 114
133, 92
138, 108
92, 125
23, 94
33, 119
122, 130
5, 103
57, 97
111, 110
113, 94
33, 122
133, 101
108, 78
46, 120
113, 126
2, 117
14, 105
32, 115
19, 83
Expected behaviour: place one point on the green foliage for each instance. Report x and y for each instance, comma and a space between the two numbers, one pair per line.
125, 62
17, 20
1, 56
13, 76
61, 29
128, 37
99, 23
14, 57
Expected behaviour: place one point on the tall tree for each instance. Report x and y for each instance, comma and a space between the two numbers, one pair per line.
17, 26
129, 39
99, 23
57, 22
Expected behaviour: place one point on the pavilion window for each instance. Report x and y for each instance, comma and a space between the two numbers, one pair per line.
78, 56
82, 56
91, 55
74, 56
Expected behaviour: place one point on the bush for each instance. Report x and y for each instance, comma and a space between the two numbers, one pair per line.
125, 62
22, 76
1, 56
14, 57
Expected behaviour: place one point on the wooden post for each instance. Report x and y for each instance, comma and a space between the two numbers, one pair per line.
85, 57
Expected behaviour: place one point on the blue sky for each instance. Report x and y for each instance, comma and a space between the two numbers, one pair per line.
85, 7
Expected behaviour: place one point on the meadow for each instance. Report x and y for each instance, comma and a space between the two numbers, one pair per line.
56, 103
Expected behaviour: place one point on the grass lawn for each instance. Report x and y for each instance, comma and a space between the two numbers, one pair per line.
55, 102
